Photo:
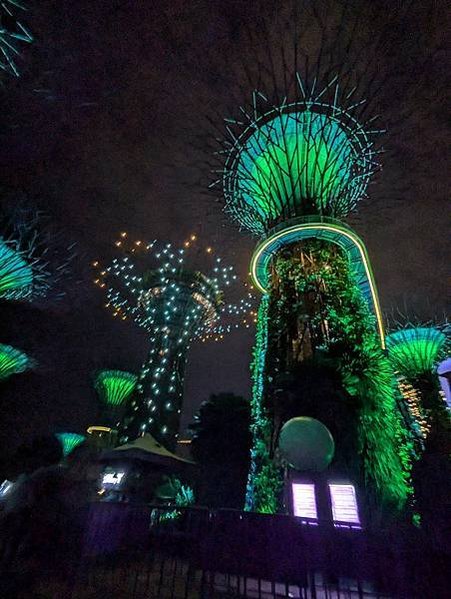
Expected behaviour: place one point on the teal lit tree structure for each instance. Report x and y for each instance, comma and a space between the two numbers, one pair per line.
289, 174
115, 386
13, 361
34, 260
13, 34
415, 353
177, 296
69, 441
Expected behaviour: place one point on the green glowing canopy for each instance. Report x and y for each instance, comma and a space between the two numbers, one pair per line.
115, 386
69, 441
294, 157
13, 361
16, 275
415, 351
297, 160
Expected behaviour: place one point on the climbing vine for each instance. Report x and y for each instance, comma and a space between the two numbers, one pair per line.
315, 305
264, 479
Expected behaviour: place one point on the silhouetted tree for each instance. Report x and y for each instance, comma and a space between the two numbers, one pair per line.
221, 445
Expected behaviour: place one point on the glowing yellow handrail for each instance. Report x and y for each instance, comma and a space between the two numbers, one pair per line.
325, 227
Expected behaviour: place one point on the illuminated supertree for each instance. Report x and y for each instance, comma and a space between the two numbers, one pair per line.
114, 388
289, 173
415, 353
34, 260
13, 361
69, 441
12, 34
177, 296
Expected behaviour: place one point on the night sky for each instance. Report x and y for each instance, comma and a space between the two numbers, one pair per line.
105, 129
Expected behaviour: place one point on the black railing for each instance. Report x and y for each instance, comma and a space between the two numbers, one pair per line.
139, 551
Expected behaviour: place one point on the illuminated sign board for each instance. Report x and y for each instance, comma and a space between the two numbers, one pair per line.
304, 501
344, 504
113, 478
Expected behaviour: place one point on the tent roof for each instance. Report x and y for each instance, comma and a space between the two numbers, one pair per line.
146, 448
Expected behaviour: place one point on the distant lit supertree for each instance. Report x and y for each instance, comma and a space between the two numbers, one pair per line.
34, 259
115, 386
12, 34
289, 172
415, 353
176, 295
13, 361
69, 441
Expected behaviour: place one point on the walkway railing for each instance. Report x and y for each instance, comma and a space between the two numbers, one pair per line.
139, 551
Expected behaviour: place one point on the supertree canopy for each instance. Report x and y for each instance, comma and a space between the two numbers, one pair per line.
12, 34
415, 351
69, 441
176, 296
34, 260
13, 361
289, 172
309, 157
16, 273
115, 386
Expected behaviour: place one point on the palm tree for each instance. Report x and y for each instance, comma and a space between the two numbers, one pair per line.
221, 442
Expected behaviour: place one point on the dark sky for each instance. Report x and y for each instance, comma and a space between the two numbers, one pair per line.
105, 130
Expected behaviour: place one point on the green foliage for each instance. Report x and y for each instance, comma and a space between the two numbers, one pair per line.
174, 492
264, 483
316, 306
367, 375
184, 496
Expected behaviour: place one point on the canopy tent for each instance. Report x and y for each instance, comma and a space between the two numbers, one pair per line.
145, 449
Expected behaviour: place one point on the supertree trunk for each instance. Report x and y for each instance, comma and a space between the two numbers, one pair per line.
314, 315
159, 400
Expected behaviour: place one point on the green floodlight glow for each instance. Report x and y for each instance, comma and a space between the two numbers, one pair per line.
12, 361
305, 154
306, 158
115, 386
415, 351
69, 441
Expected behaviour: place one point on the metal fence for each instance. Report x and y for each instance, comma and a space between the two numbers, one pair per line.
139, 551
